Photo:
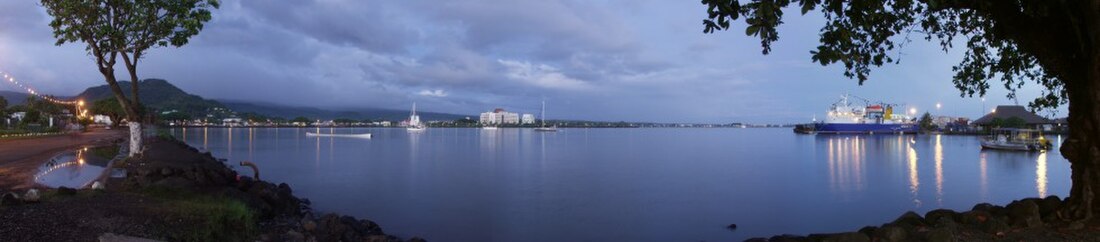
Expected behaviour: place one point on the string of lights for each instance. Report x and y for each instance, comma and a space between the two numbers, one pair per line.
11, 79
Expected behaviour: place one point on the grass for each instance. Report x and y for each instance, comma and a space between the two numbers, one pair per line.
106, 152
211, 218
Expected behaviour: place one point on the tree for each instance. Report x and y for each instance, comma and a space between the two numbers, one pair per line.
1054, 43
301, 119
109, 107
127, 29
926, 122
3, 110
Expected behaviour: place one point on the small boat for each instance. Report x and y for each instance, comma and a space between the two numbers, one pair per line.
363, 135
489, 127
542, 127
1016, 139
414, 122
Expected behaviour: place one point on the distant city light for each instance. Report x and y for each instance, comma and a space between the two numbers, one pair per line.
912, 111
938, 105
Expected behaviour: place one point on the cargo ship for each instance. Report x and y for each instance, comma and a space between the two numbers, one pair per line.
845, 118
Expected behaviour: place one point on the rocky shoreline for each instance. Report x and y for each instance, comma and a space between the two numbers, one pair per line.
174, 183
1031, 219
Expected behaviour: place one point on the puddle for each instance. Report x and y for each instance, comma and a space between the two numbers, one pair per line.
75, 168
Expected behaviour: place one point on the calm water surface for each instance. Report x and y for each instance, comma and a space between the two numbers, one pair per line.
632, 184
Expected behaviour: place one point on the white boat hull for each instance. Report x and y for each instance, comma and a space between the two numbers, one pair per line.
365, 135
544, 129
986, 144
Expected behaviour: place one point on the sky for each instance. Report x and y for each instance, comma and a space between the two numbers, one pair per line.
607, 60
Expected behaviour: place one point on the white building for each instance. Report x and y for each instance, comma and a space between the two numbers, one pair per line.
499, 116
509, 118
528, 119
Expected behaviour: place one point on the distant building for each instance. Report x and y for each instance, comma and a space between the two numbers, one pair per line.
528, 119
499, 116
1005, 112
489, 118
102, 119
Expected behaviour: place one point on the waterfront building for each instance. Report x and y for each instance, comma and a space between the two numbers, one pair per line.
499, 116
1006, 112
528, 119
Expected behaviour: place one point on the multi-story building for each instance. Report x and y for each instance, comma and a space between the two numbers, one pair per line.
499, 116
528, 119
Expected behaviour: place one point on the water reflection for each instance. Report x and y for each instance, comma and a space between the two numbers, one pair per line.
73, 169
1041, 174
845, 163
914, 182
939, 170
983, 184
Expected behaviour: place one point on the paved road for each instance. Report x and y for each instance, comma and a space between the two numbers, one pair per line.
20, 158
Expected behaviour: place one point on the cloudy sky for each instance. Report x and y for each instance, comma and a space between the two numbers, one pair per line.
634, 60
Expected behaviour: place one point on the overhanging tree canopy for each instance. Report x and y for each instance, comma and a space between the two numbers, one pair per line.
1053, 43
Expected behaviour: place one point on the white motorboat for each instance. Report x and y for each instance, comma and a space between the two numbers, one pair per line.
488, 127
363, 135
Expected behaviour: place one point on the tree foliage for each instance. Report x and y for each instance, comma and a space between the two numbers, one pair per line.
109, 107
866, 34
926, 122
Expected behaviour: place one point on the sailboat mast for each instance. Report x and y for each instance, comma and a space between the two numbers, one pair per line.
543, 112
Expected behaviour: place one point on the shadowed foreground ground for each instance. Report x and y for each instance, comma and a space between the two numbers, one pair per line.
21, 157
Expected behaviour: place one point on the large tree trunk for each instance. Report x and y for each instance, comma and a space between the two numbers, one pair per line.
1082, 147
136, 120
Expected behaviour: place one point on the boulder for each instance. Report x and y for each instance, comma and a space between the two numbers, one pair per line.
98, 186
910, 220
1049, 206
933, 217
996, 225
974, 217
1024, 213
844, 237
32, 196
890, 233
9, 199
941, 235
732, 227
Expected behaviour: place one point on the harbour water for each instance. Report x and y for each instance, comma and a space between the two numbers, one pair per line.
458, 184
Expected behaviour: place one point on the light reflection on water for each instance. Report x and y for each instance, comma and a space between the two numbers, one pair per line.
626, 184
74, 169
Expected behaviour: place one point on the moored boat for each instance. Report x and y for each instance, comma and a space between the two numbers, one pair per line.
1016, 139
414, 124
542, 126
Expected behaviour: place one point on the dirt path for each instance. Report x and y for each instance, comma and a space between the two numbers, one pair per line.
20, 158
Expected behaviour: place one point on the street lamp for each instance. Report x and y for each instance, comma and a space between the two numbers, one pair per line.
912, 111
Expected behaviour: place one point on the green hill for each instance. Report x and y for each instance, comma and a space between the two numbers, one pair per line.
157, 94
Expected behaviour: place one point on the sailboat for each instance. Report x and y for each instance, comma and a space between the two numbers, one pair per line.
542, 127
414, 121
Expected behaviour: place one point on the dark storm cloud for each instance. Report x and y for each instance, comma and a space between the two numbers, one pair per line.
600, 60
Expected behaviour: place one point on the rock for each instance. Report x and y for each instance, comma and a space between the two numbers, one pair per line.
982, 207
787, 238
1075, 225
844, 237
31, 196
996, 226
165, 171
308, 225
941, 235
295, 236
1024, 213
890, 233
65, 191
974, 217
417, 239
98, 186
933, 217
732, 227
9, 199
868, 230
910, 220
1049, 206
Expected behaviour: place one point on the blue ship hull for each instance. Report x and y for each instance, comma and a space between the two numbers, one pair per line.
837, 128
